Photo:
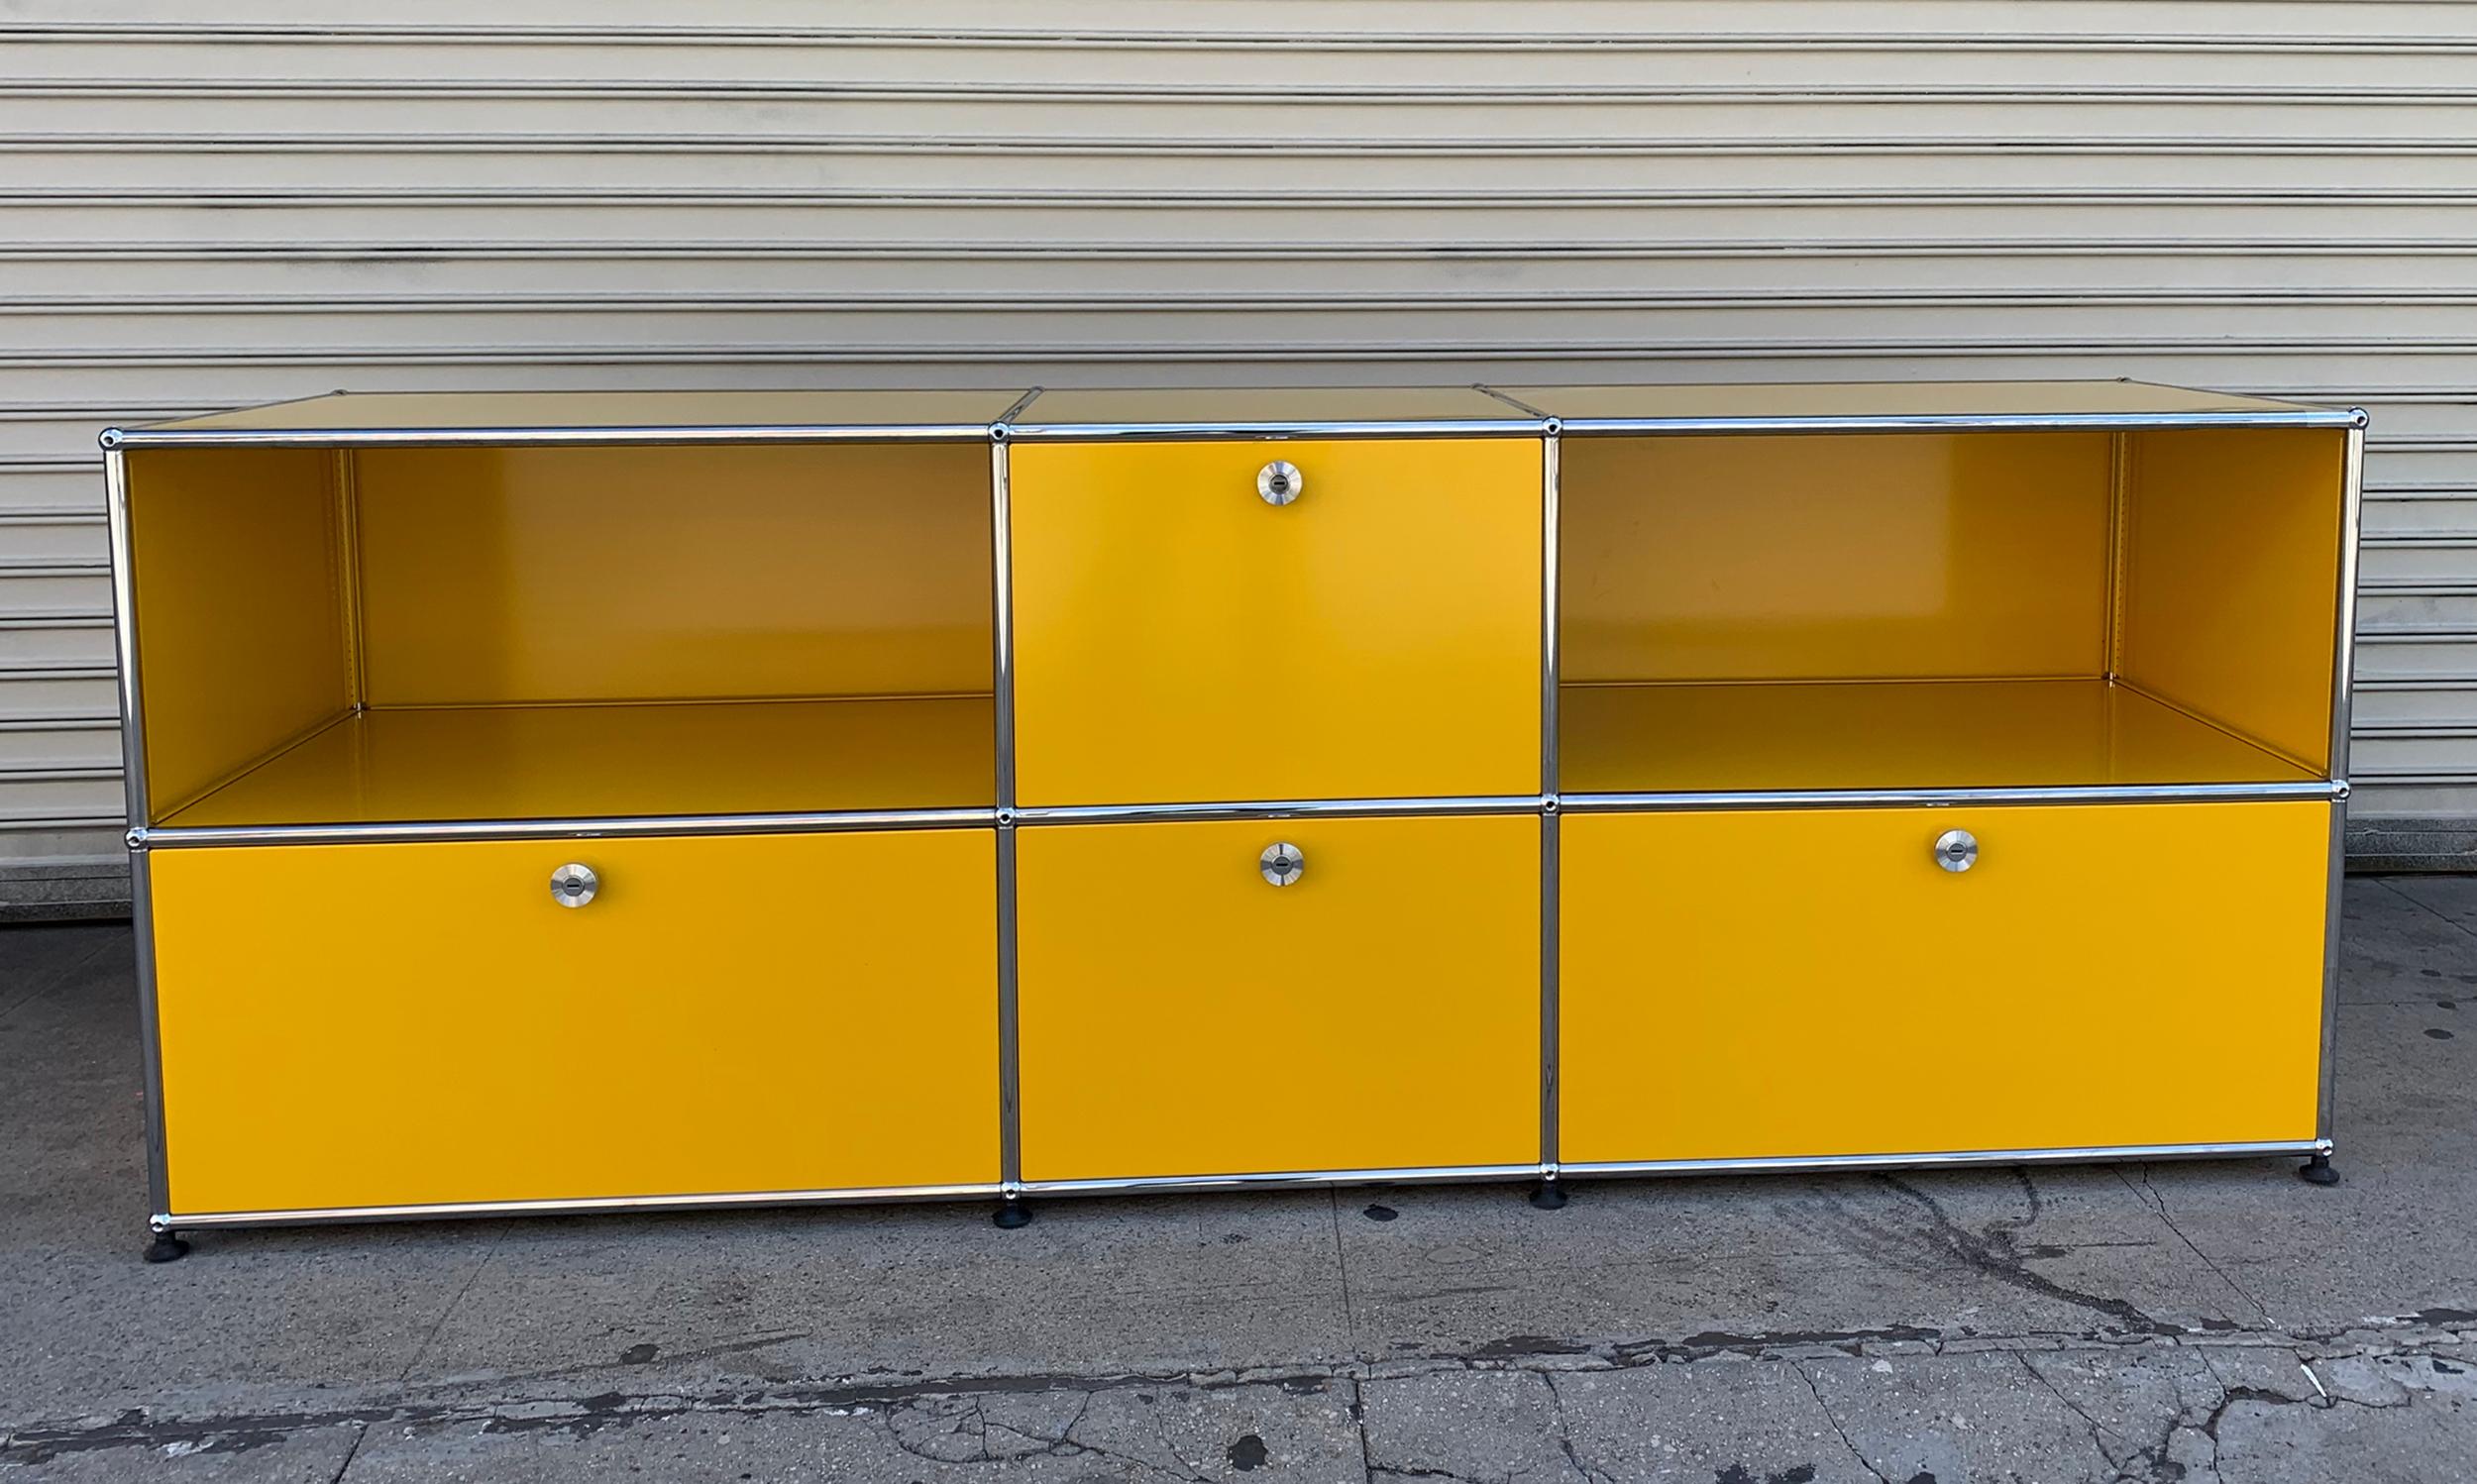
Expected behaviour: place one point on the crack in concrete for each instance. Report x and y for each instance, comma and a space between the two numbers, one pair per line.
361, 1435
2099, 1431
2435, 912
2430, 1336
448, 1312
1993, 1254
1565, 1432
2152, 1197
1834, 1421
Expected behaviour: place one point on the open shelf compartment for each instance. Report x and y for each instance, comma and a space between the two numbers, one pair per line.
501, 633
2057, 608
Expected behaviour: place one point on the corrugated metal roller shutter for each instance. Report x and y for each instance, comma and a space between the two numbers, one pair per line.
763, 192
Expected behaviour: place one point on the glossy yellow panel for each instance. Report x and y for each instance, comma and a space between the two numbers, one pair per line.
387, 1024
353, 411
1241, 406
588, 761
1887, 400
1809, 982
2232, 576
1951, 734
1178, 638
240, 617
1183, 1016
618, 574
1834, 557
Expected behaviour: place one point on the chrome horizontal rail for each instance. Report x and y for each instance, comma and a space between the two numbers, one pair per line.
1097, 432
1291, 809
1866, 799
1947, 1159
1935, 422
176, 837
371, 438
1172, 432
1276, 1180
574, 1206
1285, 1180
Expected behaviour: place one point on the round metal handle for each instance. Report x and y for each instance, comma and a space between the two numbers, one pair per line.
1280, 481
1282, 864
574, 884
1956, 850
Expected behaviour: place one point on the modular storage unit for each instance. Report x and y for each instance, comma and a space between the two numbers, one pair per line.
568, 801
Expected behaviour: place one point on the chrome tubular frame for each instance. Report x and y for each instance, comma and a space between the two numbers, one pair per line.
2342, 710
576, 1206
1952, 1159
1886, 799
1551, 968
1284, 1180
133, 790
1281, 808
1002, 682
1006, 817
449, 438
163, 837
1994, 422
1271, 1179
1468, 427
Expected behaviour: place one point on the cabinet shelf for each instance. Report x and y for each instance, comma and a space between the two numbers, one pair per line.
606, 761
1680, 738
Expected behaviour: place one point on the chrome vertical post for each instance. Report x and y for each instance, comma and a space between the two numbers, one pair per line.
2342, 680
1550, 828
1001, 677
134, 788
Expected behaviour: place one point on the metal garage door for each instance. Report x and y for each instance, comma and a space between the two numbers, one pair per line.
309, 194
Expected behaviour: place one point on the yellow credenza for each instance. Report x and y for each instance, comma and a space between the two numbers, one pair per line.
576, 802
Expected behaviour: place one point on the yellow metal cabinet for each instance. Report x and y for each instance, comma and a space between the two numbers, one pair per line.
400, 1024
1179, 636
1807, 983
1184, 1015
1033, 793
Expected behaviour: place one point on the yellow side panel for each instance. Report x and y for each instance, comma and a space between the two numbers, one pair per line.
1178, 638
1809, 982
616, 573
1183, 1016
360, 1026
1841, 557
2232, 577
239, 618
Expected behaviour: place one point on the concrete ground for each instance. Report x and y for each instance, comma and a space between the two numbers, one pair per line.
2188, 1322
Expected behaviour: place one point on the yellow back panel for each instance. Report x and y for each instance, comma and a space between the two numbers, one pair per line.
613, 573
1849, 556
241, 627
2232, 578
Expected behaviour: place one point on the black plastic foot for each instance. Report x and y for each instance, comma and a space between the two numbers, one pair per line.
1011, 1212
2318, 1171
1548, 1194
166, 1248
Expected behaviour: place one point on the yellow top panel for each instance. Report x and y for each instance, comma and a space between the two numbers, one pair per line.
1241, 407
494, 763
1067, 413
485, 411
1930, 734
1895, 400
